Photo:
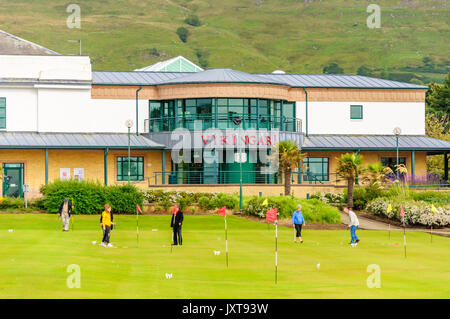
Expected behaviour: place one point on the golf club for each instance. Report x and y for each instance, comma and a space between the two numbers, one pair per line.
345, 233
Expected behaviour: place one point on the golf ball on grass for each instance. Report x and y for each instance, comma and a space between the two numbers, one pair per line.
10, 230
318, 266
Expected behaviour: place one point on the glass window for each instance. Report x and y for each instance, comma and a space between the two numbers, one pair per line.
2, 112
391, 162
316, 169
136, 168
356, 112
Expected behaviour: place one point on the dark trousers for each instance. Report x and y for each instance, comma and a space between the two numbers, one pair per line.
106, 234
298, 228
177, 239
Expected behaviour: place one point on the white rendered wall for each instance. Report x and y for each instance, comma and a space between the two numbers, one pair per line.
20, 108
75, 111
111, 115
68, 109
51, 67
379, 118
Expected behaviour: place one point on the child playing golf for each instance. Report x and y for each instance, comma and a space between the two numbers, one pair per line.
353, 224
106, 221
298, 221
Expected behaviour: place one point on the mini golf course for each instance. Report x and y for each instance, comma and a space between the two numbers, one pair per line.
35, 254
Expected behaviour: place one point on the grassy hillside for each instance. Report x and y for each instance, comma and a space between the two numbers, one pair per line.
251, 35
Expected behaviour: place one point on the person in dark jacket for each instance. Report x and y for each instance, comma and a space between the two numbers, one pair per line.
176, 223
65, 209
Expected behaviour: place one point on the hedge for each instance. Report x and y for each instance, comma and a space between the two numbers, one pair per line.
313, 210
90, 197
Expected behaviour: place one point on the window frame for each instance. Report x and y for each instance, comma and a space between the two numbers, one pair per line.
4, 108
123, 177
325, 177
361, 111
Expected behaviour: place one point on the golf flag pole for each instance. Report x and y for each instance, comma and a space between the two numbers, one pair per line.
402, 215
266, 203
138, 210
73, 212
276, 252
222, 212
434, 210
226, 239
389, 209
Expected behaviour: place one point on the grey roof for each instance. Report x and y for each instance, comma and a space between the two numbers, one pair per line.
233, 76
28, 140
338, 81
133, 77
223, 76
11, 44
374, 142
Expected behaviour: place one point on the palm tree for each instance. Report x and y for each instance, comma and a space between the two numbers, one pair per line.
290, 157
377, 173
350, 165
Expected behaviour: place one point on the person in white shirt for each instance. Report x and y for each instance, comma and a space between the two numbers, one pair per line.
353, 224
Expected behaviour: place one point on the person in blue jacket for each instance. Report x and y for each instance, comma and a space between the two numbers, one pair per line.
298, 221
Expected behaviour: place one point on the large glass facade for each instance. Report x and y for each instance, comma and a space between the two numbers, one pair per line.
228, 172
220, 112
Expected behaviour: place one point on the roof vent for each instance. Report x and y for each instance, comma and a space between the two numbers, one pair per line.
278, 72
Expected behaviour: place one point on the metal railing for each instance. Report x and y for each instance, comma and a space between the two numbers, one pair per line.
233, 177
162, 124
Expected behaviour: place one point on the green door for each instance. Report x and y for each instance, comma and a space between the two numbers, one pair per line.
13, 180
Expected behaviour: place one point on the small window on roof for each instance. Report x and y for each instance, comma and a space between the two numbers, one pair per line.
356, 112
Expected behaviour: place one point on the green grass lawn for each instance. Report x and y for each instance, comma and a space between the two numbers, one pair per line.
34, 259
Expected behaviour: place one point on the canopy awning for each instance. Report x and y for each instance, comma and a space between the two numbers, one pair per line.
33, 140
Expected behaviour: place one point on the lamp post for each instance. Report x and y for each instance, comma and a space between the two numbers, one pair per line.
129, 124
237, 121
397, 132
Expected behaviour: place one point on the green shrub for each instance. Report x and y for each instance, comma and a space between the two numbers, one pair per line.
193, 20
90, 197
437, 197
313, 210
222, 199
12, 203
364, 194
183, 33
124, 198
205, 203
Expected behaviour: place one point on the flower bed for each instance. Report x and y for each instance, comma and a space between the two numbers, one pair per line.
416, 212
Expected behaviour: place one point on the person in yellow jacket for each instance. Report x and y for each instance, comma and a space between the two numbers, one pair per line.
106, 221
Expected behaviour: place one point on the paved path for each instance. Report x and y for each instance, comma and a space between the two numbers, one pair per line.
367, 223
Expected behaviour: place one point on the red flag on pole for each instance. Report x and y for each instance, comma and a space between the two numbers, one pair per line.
271, 215
138, 208
402, 212
175, 209
222, 211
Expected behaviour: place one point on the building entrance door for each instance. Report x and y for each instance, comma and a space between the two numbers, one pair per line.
13, 180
